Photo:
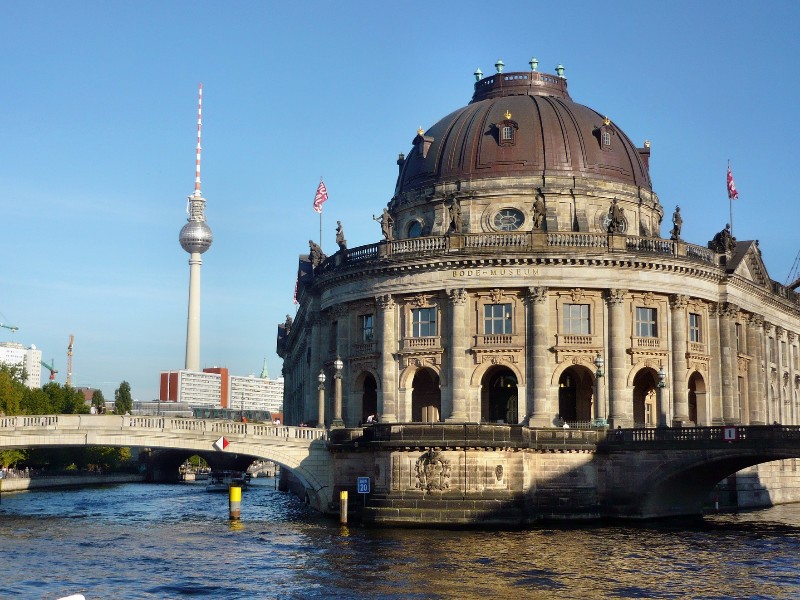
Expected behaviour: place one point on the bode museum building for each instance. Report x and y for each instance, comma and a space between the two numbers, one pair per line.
529, 274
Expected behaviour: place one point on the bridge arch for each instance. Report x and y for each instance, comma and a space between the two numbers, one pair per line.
301, 450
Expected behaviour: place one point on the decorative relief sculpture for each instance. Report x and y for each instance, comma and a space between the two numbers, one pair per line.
287, 325
615, 296
496, 295
616, 218
576, 294
433, 472
498, 472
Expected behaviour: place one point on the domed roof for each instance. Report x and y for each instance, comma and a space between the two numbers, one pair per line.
550, 135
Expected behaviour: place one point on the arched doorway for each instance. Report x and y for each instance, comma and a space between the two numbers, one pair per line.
426, 398
499, 396
645, 405
575, 395
369, 398
697, 398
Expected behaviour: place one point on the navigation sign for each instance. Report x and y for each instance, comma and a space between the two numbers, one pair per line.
221, 444
363, 485
730, 434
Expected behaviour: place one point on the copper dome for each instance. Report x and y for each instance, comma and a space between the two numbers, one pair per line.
552, 136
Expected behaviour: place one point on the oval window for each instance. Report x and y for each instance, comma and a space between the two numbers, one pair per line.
508, 219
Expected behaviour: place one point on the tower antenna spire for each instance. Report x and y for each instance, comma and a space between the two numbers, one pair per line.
199, 133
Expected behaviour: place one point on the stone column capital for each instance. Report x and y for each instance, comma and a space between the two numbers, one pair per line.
536, 295
615, 296
385, 302
730, 310
756, 320
779, 331
791, 336
678, 301
458, 296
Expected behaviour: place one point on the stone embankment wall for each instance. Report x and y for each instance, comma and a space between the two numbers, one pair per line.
23, 484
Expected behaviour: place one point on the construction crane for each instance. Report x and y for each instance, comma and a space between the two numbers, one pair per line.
50, 368
69, 359
793, 280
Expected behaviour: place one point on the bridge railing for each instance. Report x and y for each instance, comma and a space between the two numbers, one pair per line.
718, 433
28, 423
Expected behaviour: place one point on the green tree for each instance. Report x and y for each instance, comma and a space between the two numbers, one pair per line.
12, 390
122, 399
98, 401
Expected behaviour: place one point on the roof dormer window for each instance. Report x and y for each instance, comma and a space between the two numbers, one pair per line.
506, 130
606, 134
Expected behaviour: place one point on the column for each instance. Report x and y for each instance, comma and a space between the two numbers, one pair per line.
620, 405
314, 367
767, 377
458, 354
756, 416
727, 343
321, 401
791, 337
346, 413
387, 332
780, 362
680, 389
537, 405
714, 388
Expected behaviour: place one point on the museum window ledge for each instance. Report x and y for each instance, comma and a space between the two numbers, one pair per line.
422, 343
497, 340
697, 348
648, 343
362, 348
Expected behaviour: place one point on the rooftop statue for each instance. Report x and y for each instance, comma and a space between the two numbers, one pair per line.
340, 241
387, 224
616, 218
677, 224
315, 254
538, 210
454, 213
723, 242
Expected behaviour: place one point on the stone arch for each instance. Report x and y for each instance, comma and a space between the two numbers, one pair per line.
426, 396
566, 364
407, 375
576, 386
645, 397
499, 395
364, 394
698, 406
481, 369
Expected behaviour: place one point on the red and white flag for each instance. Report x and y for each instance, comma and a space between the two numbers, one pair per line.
732, 193
321, 196
221, 444
295, 291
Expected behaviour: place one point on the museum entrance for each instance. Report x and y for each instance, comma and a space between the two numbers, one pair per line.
645, 404
575, 395
499, 396
426, 397
369, 398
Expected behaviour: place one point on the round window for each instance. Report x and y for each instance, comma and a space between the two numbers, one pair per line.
508, 219
415, 229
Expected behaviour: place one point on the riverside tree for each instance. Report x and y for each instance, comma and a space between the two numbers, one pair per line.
98, 401
122, 399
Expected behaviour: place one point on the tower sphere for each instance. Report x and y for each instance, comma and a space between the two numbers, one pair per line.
196, 237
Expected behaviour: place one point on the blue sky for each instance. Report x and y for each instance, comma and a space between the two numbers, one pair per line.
98, 126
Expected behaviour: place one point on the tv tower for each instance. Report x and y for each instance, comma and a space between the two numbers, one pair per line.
195, 238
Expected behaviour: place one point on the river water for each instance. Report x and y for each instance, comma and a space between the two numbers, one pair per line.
175, 541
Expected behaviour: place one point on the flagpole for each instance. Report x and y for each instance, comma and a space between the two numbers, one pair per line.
730, 199
320, 219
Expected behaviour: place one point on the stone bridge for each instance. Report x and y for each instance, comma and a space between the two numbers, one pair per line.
301, 450
442, 473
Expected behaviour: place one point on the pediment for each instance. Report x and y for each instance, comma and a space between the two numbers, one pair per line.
751, 267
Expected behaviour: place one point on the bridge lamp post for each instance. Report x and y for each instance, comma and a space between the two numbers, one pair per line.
661, 395
337, 399
601, 409
321, 400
